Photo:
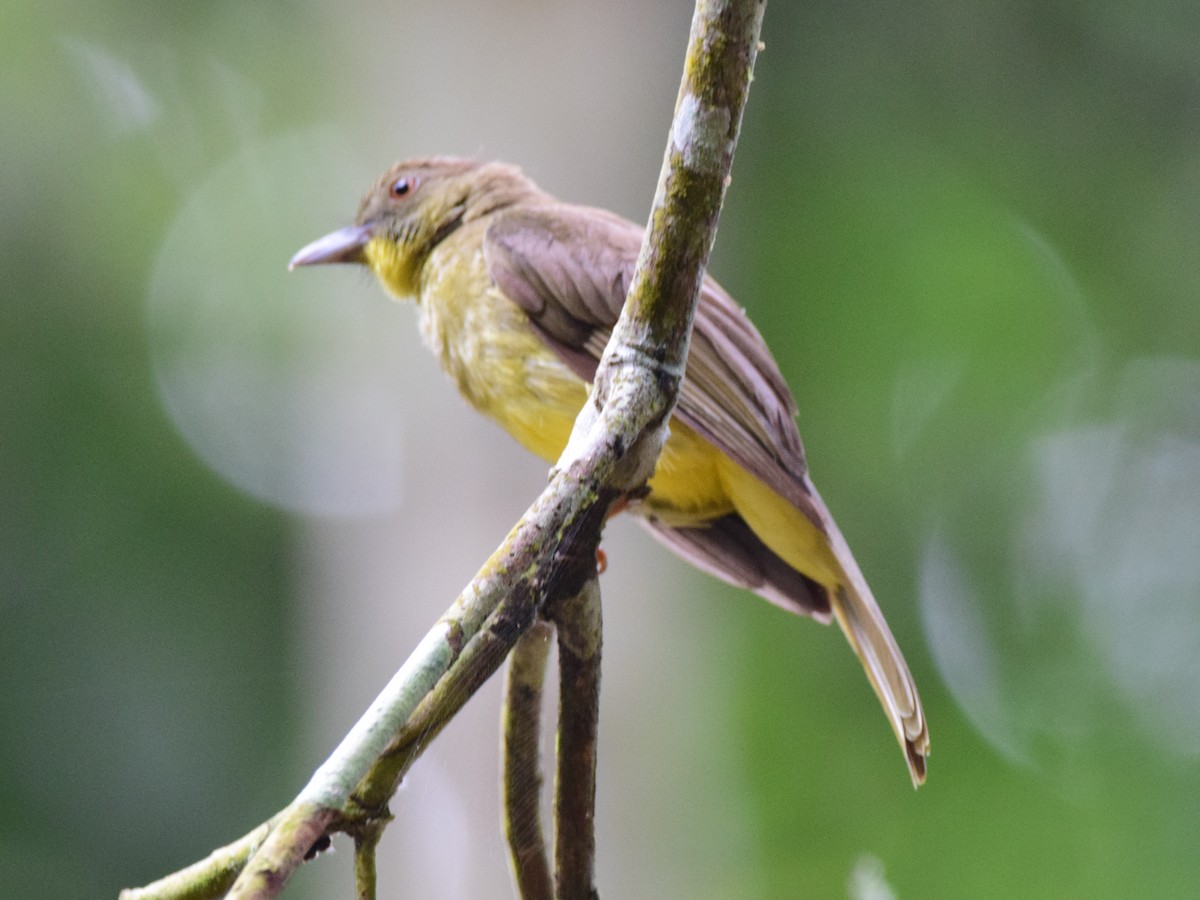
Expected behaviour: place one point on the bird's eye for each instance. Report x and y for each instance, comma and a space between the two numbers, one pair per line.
403, 186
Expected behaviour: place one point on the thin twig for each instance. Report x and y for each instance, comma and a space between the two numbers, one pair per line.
207, 878
578, 622
522, 764
366, 839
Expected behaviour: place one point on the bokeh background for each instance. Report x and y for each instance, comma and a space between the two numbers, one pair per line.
232, 499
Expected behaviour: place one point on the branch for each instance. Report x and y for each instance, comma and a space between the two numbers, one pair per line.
208, 878
366, 839
522, 766
551, 552
577, 620
639, 375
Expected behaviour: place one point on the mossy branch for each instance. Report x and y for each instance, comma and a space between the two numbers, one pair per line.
550, 554
522, 764
577, 621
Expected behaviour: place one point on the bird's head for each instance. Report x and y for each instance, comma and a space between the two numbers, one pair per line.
413, 207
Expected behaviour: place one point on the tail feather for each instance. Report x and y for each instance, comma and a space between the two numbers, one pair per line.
800, 561
871, 639
865, 628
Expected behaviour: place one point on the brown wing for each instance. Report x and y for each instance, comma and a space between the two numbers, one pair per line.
569, 269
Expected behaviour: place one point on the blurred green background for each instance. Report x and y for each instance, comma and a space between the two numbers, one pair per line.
232, 499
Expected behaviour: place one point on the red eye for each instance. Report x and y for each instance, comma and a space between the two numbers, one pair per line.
402, 186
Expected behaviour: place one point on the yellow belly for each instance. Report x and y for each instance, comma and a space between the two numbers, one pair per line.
687, 487
506, 371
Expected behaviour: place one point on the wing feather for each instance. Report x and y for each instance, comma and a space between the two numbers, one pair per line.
569, 268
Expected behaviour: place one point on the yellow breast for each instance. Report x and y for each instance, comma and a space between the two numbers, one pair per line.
506, 371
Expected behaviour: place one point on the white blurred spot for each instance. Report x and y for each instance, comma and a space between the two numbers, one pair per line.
867, 881
1084, 594
285, 384
123, 102
1120, 516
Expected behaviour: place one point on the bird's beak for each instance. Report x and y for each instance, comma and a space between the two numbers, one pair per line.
342, 246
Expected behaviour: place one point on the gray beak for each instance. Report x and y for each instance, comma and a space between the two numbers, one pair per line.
342, 246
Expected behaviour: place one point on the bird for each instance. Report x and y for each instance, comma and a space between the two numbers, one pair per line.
517, 294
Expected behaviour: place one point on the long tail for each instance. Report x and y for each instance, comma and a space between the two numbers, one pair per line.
807, 569
864, 626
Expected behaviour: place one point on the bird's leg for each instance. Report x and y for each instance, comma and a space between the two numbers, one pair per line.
619, 506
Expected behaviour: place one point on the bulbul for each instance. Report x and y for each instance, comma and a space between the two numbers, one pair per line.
517, 295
